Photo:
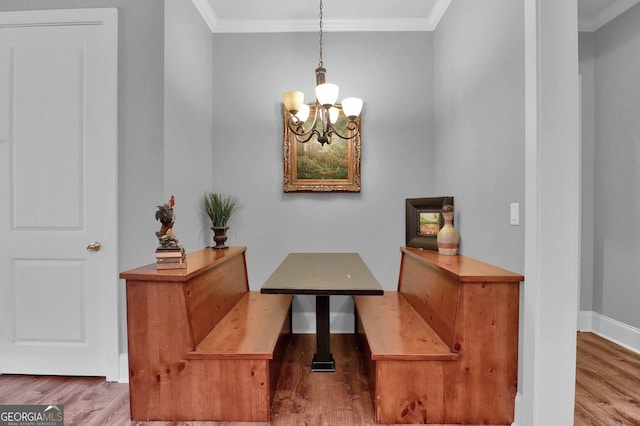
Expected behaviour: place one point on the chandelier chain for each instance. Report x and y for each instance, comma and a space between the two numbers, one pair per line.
320, 64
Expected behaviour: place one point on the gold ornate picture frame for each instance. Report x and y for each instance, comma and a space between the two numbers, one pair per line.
312, 167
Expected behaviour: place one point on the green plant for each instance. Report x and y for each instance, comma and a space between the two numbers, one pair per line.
219, 208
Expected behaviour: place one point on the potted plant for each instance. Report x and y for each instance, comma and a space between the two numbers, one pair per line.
219, 208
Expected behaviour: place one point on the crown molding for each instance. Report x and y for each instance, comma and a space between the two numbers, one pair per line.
218, 25
611, 12
329, 25
207, 13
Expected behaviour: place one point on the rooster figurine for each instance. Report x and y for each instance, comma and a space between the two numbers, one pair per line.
165, 215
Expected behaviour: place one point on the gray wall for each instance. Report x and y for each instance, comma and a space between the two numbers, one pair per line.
479, 126
188, 112
480, 140
393, 73
616, 178
587, 74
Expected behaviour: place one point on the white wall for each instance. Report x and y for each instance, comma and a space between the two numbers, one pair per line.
393, 73
552, 235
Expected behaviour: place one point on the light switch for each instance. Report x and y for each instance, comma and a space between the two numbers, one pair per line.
515, 214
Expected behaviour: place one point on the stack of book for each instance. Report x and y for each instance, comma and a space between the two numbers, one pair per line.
171, 258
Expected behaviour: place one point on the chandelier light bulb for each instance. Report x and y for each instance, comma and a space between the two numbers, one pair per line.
352, 106
327, 93
303, 113
293, 101
333, 114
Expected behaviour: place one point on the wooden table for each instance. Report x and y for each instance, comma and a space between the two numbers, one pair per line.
322, 275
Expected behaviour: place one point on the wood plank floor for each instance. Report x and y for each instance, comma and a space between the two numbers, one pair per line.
607, 390
607, 383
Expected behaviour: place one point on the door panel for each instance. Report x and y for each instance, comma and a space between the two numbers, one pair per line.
53, 147
51, 289
58, 173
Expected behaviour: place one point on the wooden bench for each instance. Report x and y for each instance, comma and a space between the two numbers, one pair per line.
201, 345
443, 348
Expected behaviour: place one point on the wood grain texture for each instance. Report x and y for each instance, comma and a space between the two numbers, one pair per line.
322, 399
171, 376
462, 267
477, 319
485, 377
212, 294
158, 372
248, 330
607, 390
197, 263
433, 293
607, 383
394, 330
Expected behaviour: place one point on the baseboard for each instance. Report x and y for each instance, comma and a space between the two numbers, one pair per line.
124, 368
518, 408
611, 329
305, 322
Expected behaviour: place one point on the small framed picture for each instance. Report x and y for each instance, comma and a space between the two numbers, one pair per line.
424, 220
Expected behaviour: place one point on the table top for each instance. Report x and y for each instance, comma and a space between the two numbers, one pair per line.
322, 274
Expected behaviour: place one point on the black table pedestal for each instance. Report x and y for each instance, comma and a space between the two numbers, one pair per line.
323, 360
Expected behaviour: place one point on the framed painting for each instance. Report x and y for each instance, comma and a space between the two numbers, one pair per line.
312, 167
424, 220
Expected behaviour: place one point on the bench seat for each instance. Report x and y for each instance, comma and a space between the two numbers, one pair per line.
443, 348
202, 346
395, 331
250, 330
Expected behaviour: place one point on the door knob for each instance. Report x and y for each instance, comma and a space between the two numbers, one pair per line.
94, 246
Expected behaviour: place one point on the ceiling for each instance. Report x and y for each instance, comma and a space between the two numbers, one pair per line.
256, 16
592, 14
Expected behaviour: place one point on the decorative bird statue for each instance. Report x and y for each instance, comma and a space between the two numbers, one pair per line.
165, 215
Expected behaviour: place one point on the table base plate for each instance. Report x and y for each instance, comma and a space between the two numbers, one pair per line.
325, 366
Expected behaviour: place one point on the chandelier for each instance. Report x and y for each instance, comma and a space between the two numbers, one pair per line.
325, 111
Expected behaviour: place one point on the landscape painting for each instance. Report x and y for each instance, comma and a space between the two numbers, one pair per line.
429, 223
313, 167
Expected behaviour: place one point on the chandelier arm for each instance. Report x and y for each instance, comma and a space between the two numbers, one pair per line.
303, 136
351, 125
294, 124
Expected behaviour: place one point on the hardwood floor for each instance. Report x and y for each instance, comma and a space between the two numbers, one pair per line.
607, 383
607, 390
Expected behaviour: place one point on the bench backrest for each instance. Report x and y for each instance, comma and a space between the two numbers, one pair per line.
210, 295
433, 293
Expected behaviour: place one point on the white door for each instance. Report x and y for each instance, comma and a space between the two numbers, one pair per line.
58, 187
